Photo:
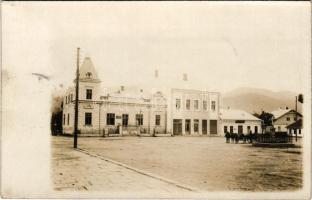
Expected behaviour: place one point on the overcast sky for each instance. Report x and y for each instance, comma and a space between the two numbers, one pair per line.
221, 46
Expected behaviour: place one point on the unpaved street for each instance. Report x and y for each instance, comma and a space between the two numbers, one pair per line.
206, 163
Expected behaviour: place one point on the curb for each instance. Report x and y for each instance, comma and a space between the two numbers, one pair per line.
139, 171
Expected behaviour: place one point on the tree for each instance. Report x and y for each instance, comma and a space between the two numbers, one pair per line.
267, 118
56, 114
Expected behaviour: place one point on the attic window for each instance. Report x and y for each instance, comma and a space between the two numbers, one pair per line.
88, 74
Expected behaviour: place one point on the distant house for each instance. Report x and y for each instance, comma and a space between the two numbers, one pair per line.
283, 117
239, 121
295, 128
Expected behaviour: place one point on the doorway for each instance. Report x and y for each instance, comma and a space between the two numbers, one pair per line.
177, 127
187, 126
213, 127
204, 127
240, 129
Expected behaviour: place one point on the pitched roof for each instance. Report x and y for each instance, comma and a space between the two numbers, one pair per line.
231, 114
296, 125
87, 70
281, 112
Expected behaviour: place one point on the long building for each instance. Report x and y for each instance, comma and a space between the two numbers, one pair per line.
134, 111
239, 121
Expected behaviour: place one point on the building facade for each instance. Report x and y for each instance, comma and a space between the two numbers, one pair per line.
193, 112
239, 121
134, 112
283, 117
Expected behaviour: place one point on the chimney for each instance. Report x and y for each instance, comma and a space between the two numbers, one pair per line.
122, 88
184, 77
156, 74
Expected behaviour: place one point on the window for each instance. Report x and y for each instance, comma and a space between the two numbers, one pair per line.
110, 119
279, 129
196, 122
88, 118
196, 104
178, 103
68, 119
188, 104
225, 129
125, 118
88, 94
88, 74
231, 129
64, 119
295, 118
288, 118
299, 131
205, 105
256, 129
157, 122
139, 119
213, 105
66, 99
71, 97
248, 129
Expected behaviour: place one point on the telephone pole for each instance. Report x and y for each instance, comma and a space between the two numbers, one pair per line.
76, 101
296, 120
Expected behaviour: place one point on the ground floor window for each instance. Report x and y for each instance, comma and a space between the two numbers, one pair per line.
125, 118
88, 118
139, 119
196, 122
231, 129
278, 128
299, 131
248, 129
256, 129
110, 119
157, 122
225, 129
68, 119
64, 119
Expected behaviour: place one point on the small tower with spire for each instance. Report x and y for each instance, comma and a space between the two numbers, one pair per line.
88, 80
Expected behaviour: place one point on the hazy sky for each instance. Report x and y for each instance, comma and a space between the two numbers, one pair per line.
221, 45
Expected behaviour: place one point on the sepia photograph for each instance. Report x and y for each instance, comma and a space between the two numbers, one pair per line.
190, 99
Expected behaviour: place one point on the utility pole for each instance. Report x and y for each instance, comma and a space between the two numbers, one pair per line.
76, 102
296, 119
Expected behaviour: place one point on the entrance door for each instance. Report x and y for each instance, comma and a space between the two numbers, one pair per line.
240, 129
177, 127
187, 126
213, 127
204, 127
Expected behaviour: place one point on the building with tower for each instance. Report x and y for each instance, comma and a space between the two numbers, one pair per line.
150, 110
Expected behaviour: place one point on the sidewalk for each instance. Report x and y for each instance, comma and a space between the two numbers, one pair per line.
74, 170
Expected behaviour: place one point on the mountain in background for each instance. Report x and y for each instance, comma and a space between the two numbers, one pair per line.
255, 100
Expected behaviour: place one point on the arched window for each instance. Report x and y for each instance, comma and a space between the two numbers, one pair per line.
88, 74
